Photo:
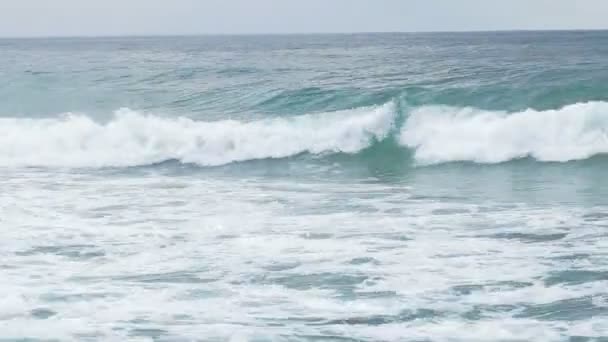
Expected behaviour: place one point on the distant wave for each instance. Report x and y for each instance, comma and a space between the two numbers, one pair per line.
440, 134
133, 139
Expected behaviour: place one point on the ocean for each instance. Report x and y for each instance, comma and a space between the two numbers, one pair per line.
362, 187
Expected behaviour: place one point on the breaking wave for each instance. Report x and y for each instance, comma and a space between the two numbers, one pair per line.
440, 134
133, 139
428, 135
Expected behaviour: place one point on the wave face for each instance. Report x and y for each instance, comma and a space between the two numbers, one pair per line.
133, 139
440, 134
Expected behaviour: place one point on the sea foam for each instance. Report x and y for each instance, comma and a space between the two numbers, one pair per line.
435, 134
440, 134
132, 138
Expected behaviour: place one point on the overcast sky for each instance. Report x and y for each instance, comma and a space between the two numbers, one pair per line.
145, 17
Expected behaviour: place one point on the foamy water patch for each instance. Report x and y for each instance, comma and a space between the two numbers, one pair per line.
132, 138
441, 134
282, 267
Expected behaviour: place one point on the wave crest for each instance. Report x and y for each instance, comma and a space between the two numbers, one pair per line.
132, 139
440, 134
435, 134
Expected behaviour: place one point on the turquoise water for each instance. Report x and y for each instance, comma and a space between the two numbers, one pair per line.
366, 187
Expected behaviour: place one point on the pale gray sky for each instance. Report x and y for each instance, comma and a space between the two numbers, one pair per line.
144, 17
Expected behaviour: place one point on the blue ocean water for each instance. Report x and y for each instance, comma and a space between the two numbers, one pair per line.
364, 187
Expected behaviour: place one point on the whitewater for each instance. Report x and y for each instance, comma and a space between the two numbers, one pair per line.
368, 187
436, 134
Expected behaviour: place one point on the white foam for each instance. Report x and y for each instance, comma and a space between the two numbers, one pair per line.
131, 138
443, 134
257, 268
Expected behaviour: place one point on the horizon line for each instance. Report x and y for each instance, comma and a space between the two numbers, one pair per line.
320, 33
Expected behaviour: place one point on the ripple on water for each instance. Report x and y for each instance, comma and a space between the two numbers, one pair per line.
77, 297
363, 261
78, 252
179, 277
575, 277
572, 257
450, 211
486, 311
575, 309
316, 236
152, 333
596, 216
326, 337
42, 313
528, 237
281, 266
376, 320
327, 281
490, 287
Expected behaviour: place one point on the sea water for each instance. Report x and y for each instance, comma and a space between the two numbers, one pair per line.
365, 187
